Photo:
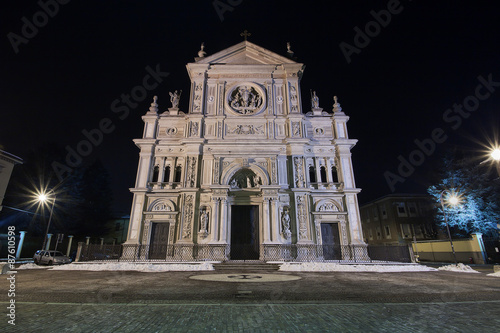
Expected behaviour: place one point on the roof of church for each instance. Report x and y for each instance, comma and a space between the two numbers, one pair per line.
245, 53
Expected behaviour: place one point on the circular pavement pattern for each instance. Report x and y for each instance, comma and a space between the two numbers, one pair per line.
246, 277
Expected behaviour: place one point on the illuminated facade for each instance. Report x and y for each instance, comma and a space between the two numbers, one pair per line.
244, 167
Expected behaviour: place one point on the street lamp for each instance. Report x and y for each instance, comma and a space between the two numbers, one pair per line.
43, 198
453, 200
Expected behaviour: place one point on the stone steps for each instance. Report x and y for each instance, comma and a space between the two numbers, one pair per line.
246, 266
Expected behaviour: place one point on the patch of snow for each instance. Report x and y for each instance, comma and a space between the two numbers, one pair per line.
458, 268
127, 266
334, 267
32, 266
496, 274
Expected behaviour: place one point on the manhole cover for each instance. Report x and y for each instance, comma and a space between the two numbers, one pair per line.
245, 277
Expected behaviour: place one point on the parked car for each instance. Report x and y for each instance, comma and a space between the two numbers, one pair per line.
50, 258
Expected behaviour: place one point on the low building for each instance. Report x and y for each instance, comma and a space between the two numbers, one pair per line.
397, 219
7, 162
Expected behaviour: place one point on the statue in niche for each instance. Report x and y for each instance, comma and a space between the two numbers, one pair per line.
295, 129
204, 221
249, 182
285, 224
234, 184
175, 98
314, 100
195, 129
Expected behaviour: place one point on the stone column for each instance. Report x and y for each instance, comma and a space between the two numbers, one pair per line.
88, 240
20, 245
47, 246
266, 223
161, 170
223, 220
318, 170
277, 220
69, 245
215, 219
329, 171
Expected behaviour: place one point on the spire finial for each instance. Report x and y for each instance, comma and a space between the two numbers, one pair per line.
245, 34
201, 52
336, 105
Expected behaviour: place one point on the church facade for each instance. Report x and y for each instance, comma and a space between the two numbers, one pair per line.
245, 172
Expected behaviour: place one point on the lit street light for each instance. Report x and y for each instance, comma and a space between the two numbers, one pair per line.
453, 200
495, 154
43, 198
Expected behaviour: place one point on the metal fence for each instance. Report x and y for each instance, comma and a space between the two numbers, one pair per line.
222, 252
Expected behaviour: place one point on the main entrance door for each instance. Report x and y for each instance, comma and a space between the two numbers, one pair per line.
244, 232
159, 241
331, 241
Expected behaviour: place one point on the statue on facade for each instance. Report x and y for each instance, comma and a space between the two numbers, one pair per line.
204, 223
285, 225
249, 182
234, 184
256, 181
174, 99
314, 100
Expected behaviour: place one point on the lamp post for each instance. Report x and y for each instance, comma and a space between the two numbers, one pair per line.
452, 200
42, 198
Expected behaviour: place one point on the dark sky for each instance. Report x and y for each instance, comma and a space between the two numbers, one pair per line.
396, 88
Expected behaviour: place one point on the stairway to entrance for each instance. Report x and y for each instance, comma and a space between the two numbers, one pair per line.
246, 266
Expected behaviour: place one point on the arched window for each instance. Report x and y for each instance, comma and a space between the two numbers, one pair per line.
178, 174
312, 174
166, 174
322, 172
335, 175
155, 174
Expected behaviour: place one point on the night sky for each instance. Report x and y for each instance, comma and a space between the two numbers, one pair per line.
397, 86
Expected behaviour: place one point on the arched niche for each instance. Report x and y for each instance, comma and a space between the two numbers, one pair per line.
237, 172
328, 205
162, 205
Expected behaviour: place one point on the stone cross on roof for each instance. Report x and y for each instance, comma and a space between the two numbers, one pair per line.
245, 34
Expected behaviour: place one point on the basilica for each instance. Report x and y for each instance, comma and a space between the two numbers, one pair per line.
249, 170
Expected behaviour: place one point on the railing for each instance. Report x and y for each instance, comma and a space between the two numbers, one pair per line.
222, 252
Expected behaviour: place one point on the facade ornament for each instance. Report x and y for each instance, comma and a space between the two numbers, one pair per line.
188, 214
301, 215
154, 106
175, 98
285, 225
299, 177
245, 100
201, 52
249, 183
248, 129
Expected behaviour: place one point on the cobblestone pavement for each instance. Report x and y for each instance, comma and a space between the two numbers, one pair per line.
73, 301
373, 317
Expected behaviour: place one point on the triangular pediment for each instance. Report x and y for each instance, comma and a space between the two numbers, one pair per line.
245, 53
